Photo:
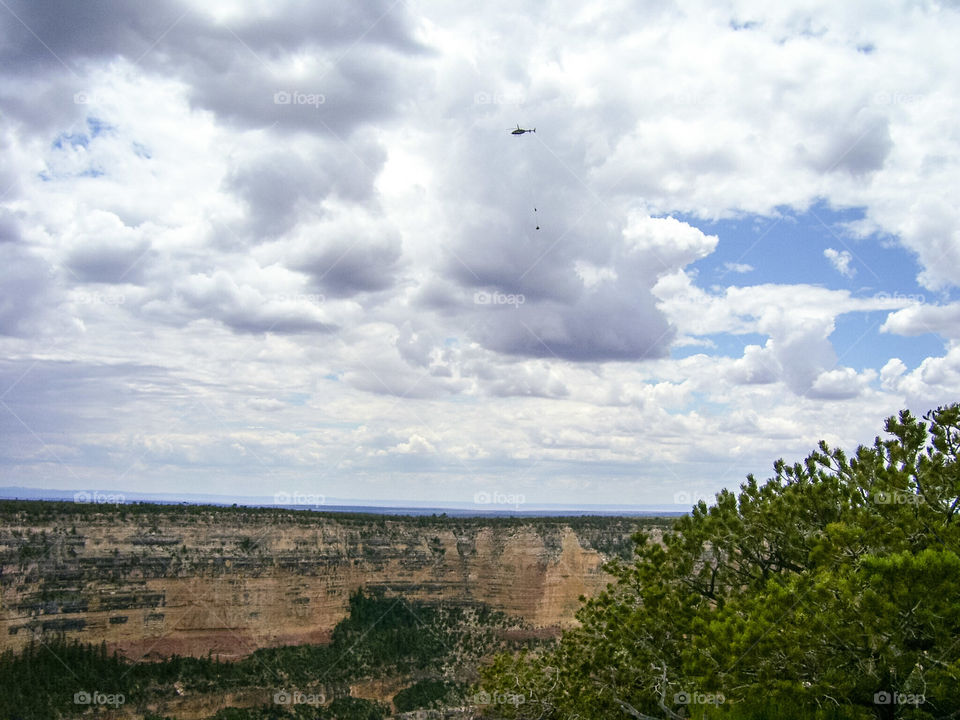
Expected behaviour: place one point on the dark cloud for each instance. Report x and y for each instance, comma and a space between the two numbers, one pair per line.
275, 188
503, 249
344, 270
37, 35
519, 288
9, 227
415, 347
551, 313
609, 323
234, 67
439, 296
105, 261
278, 321
859, 146
326, 100
344, 263
63, 34
280, 187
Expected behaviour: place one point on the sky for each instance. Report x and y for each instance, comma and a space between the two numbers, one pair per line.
292, 247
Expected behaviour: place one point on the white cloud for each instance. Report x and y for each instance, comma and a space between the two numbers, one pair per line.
417, 445
840, 259
757, 366
935, 382
921, 318
891, 373
841, 384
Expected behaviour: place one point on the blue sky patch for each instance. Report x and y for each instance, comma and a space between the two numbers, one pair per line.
71, 140
790, 249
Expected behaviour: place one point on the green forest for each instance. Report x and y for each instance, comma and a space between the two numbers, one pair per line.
829, 591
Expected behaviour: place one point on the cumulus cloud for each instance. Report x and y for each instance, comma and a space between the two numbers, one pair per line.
798, 321
287, 186
416, 445
840, 259
921, 318
347, 255
858, 144
757, 366
840, 384
602, 308
105, 250
935, 382
891, 372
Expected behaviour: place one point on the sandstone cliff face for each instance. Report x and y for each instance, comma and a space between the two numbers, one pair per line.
194, 581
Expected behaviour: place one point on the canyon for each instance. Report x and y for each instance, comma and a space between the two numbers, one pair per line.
153, 581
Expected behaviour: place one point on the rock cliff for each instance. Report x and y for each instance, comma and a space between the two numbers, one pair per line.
153, 581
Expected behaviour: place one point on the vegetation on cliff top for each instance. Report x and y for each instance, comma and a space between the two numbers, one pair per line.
46, 511
832, 590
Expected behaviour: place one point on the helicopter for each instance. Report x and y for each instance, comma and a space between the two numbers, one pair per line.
521, 131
